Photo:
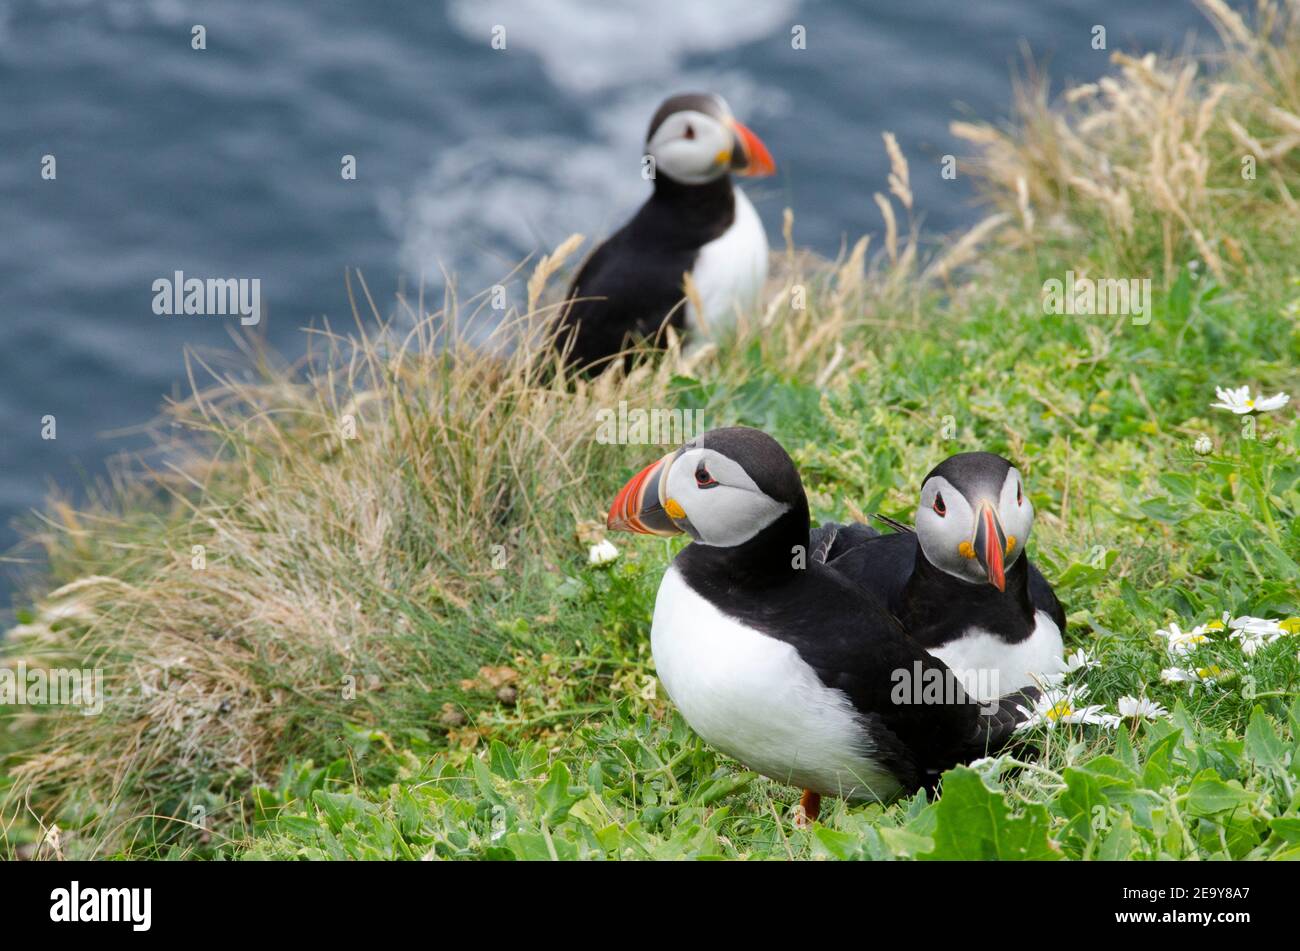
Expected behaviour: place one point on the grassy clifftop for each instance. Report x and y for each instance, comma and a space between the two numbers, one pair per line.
353, 614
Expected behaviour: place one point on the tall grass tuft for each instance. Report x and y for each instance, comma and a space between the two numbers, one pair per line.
319, 550
1151, 156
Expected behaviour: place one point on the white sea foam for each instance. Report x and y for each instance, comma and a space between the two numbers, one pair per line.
590, 46
498, 195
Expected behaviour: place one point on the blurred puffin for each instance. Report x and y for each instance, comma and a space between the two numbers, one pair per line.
973, 600
777, 660
694, 222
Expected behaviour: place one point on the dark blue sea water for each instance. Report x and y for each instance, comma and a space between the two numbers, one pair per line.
225, 162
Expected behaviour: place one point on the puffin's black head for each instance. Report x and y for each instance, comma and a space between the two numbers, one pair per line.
974, 517
695, 139
722, 488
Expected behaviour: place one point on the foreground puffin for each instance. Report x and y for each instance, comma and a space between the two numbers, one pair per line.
694, 222
972, 599
779, 661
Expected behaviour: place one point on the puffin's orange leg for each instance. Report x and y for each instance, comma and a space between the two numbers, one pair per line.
810, 807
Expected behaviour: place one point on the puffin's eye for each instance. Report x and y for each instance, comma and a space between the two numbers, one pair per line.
702, 477
940, 509
690, 131
1020, 496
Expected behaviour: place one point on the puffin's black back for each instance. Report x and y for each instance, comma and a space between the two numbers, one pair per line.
632, 285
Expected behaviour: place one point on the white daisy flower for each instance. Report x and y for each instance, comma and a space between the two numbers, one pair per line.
1257, 625
1203, 446
1266, 404
1180, 642
602, 553
1240, 401
1196, 675
1080, 660
1252, 633
1140, 708
1059, 706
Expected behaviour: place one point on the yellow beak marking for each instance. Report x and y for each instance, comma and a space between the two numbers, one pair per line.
1011, 543
966, 550
673, 509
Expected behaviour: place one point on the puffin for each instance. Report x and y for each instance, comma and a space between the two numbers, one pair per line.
778, 660
694, 222
961, 583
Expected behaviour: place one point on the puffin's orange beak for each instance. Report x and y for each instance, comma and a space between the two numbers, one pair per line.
639, 505
990, 544
751, 157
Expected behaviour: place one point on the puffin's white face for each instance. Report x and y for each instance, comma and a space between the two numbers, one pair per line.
702, 489
974, 535
718, 502
692, 148
695, 139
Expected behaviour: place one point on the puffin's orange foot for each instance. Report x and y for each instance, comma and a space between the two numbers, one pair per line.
809, 808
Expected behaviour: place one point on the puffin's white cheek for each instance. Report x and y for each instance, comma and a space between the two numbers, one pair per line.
728, 516
1020, 526
722, 517
688, 161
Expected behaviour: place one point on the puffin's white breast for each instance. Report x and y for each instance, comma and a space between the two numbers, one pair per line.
730, 270
989, 667
754, 698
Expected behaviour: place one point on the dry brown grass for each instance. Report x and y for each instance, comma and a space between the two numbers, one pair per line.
1155, 152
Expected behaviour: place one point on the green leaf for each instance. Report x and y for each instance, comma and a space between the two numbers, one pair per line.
905, 843
483, 777
303, 827
502, 763
840, 845
1185, 722
340, 808
1163, 510
1119, 841
1288, 828
555, 797
1263, 746
974, 822
723, 786
1124, 751
1159, 770
1083, 803
1082, 574
1209, 794
529, 846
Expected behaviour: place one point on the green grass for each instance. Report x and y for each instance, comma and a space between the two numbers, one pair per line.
315, 689
1154, 533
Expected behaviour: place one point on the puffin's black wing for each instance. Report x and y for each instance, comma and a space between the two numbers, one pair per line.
1044, 598
832, 540
880, 564
629, 287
